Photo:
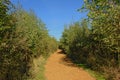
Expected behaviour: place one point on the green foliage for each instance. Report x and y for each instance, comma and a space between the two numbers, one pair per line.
74, 41
99, 45
105, 24
5, 22
23, 37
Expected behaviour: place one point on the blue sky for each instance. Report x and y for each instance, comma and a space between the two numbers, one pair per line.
55, 13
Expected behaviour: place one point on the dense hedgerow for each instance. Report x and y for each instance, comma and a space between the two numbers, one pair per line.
96, 40
23, 37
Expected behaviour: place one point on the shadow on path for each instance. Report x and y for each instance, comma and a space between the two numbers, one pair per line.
59, 67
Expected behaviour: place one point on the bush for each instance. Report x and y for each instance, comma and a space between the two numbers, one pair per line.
23, 37
112, 73
95, 41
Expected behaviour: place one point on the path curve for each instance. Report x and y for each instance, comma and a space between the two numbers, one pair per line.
60, 68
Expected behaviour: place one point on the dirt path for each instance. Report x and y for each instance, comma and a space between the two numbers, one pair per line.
60, 68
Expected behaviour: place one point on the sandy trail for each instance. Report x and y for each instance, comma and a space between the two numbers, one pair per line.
60, 68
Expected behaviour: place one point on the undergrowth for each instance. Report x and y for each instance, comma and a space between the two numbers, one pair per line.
38, 69
94, 74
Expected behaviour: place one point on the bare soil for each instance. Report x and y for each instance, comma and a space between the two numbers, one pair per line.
58, 67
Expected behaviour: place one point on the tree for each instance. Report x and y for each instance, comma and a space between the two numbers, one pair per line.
23, 37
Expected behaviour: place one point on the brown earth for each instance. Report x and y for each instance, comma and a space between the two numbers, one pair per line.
58, 67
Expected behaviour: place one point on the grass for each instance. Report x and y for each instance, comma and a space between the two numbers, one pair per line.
38, 70
94, 74
97, 75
